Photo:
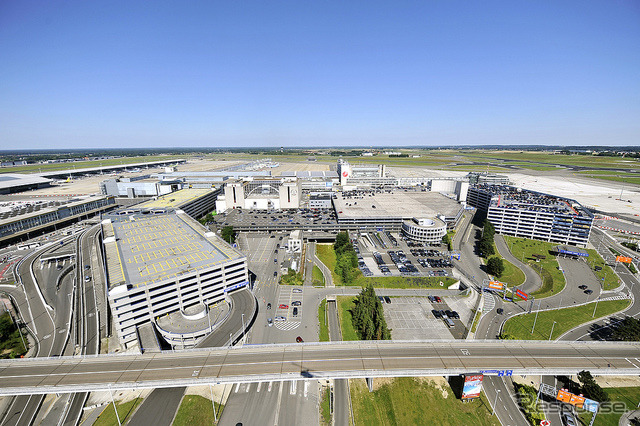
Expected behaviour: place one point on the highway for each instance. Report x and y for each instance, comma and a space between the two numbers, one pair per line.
256, 363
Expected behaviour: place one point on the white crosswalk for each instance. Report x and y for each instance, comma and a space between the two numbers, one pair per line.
287, 325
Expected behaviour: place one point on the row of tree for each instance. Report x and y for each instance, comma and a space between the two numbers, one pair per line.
368, 317
486, 247
346, 258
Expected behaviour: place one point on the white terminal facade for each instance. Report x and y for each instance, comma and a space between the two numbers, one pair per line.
529, 214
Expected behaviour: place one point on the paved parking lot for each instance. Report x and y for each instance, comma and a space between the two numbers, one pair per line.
410, 318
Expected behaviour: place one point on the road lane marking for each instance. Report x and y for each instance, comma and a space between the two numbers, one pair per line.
292, 389
237, 387
259, 386
632, 363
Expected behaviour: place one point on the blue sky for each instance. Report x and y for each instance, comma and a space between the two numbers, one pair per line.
88, 74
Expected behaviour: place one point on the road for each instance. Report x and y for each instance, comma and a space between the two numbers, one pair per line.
254, 363
341, 389
160, 406
49, 327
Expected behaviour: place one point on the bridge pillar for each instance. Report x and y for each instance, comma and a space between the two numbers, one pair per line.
370, 383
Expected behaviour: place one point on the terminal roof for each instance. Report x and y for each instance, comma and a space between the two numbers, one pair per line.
405, 205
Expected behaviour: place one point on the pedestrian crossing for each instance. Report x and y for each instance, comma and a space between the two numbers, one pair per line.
294, 389
287, 325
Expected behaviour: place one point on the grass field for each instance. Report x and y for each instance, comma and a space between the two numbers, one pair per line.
12, 346
519, 327
552, 278
610, 278
345, 304
628, 396
325, 253
512, 275
323, 335
108, 416
196, 410
41, 168
317, 276
411, 401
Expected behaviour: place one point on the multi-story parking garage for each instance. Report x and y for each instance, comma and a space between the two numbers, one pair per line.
425, 231
529, 214
159, 262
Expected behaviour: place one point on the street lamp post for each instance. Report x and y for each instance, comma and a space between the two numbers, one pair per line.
551, 334
496, 401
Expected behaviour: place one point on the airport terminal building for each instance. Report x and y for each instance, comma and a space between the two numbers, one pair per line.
529, 214
162, 261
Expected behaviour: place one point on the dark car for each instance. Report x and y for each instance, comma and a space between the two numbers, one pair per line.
582, 287
295, 312
432, 299
296, 303
500, 311
455, 315
299, 339
268, 305
387, 299
588, 291
436, 313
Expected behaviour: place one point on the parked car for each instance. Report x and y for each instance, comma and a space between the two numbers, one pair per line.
270, 322
280, 318
283, 306
387, 299
296, 303
588, 291
297, 290
299, 340
295, 312
436, 313
268, 305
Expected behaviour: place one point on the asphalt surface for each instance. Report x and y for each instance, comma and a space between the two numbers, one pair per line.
340, 391
49, 327
160, 406
253, 363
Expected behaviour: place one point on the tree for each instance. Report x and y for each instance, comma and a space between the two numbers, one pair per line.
6, 326
486, 248
590, 388
342, 243
627, 330
447, 241
488, 229
495, 266
367, 316
228, 234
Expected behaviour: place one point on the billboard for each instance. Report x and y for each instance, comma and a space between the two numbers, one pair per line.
472, 386
623, 259
496, 285
590, 405
522, 294
575, 400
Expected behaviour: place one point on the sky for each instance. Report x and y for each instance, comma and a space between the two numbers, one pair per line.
112, 74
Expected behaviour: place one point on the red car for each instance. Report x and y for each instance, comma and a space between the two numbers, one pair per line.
299, 339
283, 306
438, 300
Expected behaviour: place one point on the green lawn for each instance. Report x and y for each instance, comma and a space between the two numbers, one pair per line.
345, 304
610, 278
41, 168
628, 396
325, 413
548, 269
512, 275
108, 416
318, 278
197, 411
324, 327
411, 401
519, 327
12, 346
325, 253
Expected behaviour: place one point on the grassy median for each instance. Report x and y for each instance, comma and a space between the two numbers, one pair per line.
317, 276
628, 396
610, 280
552, 279
125, 411
413, 401
196, 410
519, 327
323, 335
345, 304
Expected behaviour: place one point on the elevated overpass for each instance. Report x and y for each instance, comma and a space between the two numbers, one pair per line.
256, 363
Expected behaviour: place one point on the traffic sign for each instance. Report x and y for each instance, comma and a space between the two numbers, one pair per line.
521, 294
545, 423
623, 259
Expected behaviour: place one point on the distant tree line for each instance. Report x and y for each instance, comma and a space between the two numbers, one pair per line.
368, 316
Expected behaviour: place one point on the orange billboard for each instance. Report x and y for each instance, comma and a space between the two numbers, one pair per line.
623, 259
497, 285
570, 398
